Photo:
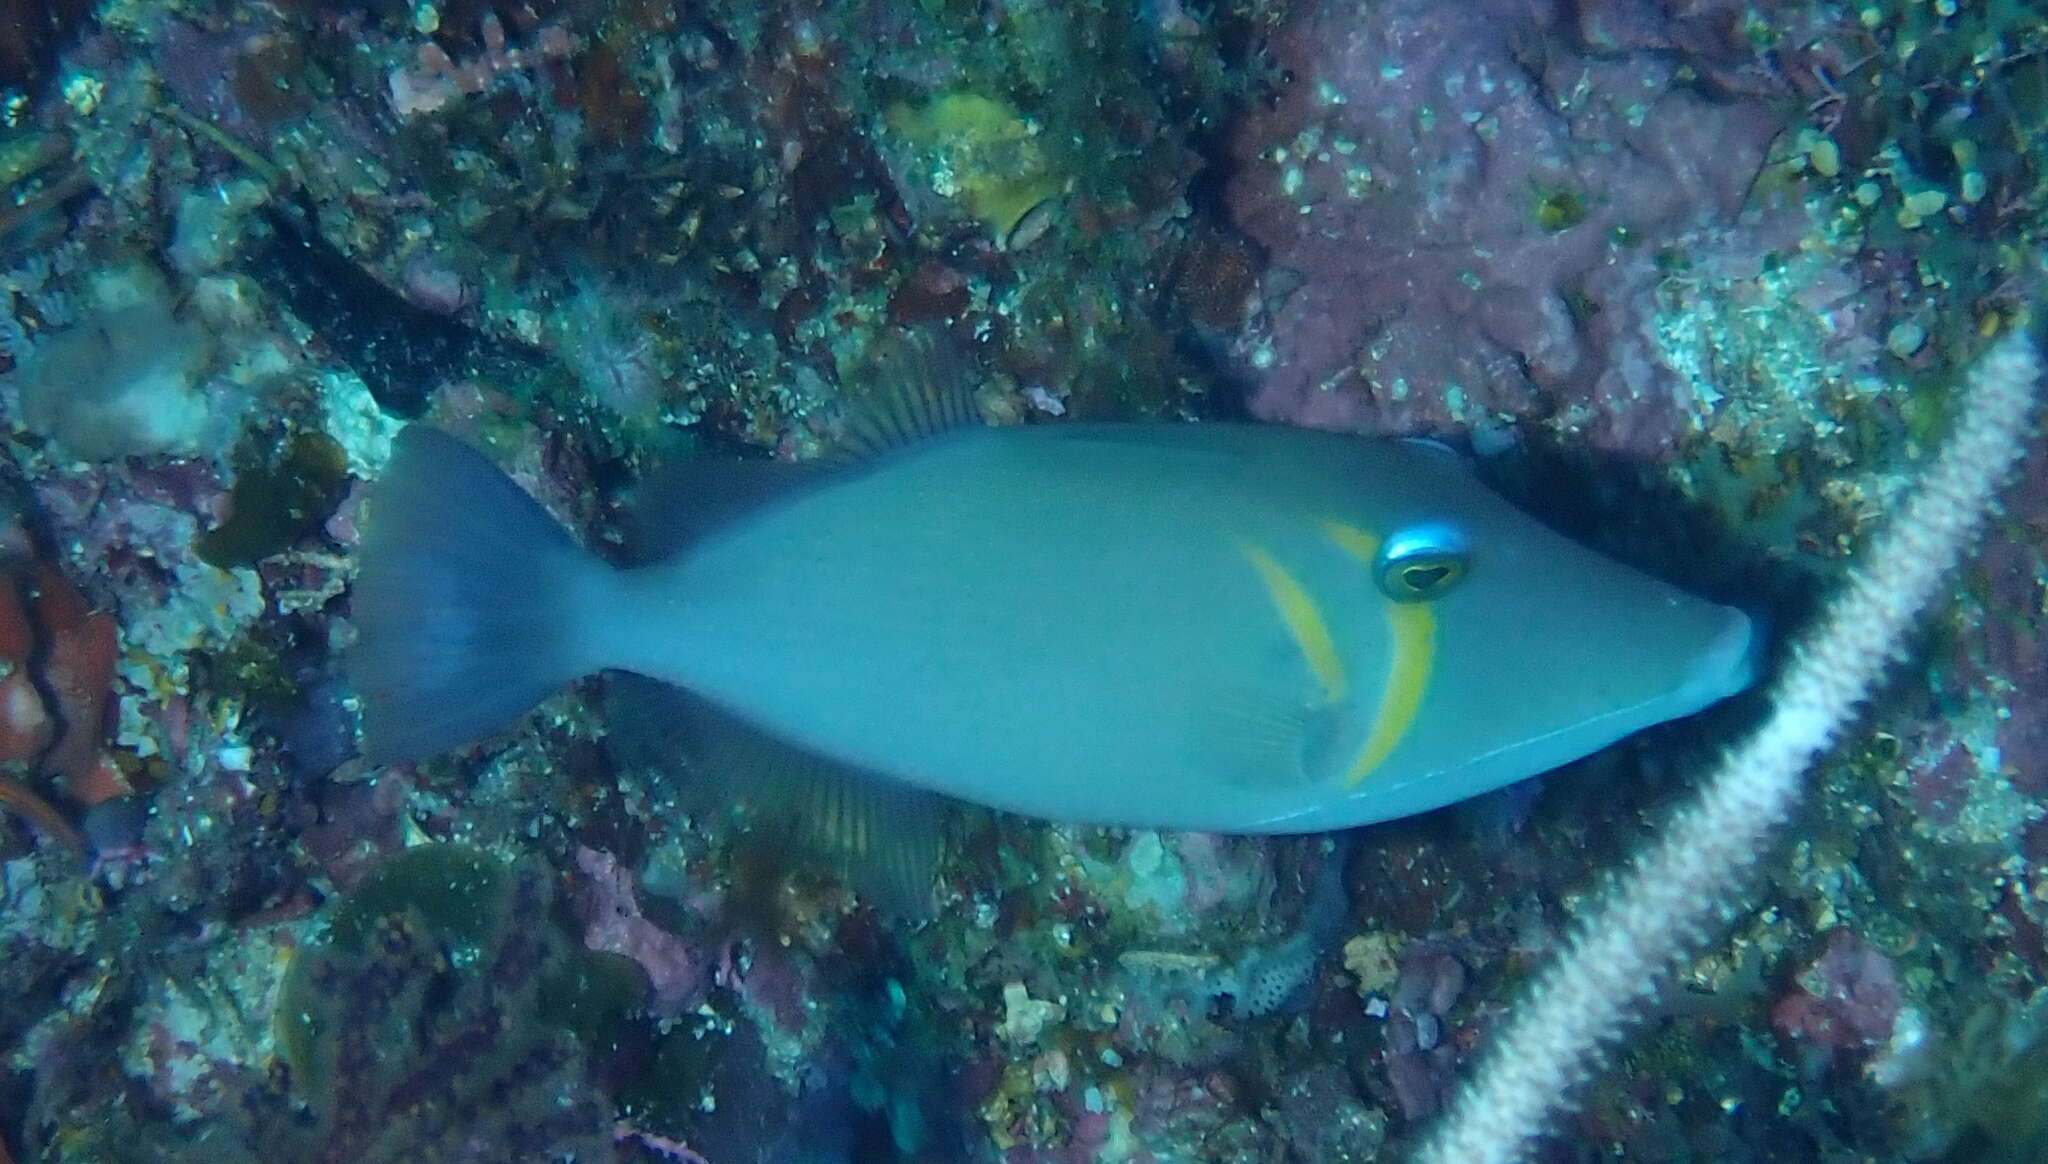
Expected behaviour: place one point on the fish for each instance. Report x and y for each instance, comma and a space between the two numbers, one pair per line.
1226, 627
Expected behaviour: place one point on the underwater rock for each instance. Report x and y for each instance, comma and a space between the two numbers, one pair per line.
31, 34
1845, 1000
126, 378
402, 352
1474, 232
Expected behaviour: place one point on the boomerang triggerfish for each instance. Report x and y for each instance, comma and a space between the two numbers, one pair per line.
1224, 627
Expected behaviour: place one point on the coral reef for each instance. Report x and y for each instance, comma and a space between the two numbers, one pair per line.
1693, 280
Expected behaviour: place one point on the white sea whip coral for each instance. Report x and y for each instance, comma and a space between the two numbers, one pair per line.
1659, 911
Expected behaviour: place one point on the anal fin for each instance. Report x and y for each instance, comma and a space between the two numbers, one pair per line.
882, 838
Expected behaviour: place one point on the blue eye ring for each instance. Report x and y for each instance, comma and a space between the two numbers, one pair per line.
1422, 562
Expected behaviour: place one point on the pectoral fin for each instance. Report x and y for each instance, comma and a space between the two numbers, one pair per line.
1266, 736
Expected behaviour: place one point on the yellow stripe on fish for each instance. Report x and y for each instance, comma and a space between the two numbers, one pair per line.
1411, 628
1414, 634
1304, 620
1354, 541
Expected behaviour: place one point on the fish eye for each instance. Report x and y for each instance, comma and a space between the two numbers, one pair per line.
1422, 562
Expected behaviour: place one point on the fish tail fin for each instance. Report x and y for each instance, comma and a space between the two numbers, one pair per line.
466, 604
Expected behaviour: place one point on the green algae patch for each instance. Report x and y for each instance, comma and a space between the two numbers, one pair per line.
445, 891
463, 904
593, 996
1559, 209
275, 502
980, 153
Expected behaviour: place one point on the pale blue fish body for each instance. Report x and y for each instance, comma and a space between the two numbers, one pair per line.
1182, 626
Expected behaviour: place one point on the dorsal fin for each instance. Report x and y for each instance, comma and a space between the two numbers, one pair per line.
1438, 449
912, 387
685, 499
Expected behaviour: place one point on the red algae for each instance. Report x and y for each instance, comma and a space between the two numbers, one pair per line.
39, 813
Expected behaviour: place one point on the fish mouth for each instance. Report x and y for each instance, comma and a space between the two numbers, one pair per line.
1733, 660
